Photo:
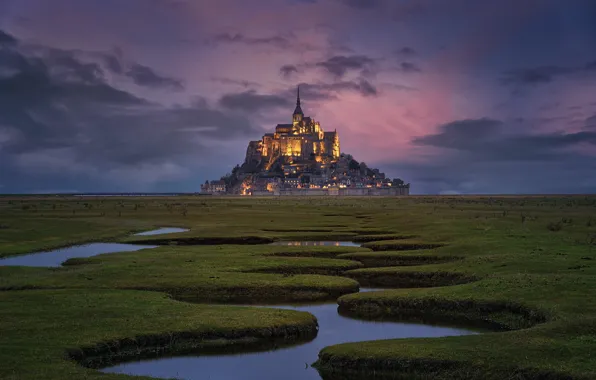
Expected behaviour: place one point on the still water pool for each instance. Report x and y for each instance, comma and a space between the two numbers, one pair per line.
290, 363
55, 257
318, 242
163, 230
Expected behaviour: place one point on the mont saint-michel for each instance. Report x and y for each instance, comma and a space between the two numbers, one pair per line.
301, 158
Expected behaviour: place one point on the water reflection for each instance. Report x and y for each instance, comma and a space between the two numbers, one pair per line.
292, 363
319, 242
56, 257
163, 230
289, 363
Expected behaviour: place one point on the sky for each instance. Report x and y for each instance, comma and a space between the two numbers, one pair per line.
452, 96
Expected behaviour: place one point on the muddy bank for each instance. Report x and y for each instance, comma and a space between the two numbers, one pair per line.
490, 314
203, 240
180, 343
403, 279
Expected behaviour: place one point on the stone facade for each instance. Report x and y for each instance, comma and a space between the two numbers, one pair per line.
337, 191
302, 140
301, 159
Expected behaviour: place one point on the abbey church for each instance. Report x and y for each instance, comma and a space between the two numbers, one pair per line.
302, 140
300, 158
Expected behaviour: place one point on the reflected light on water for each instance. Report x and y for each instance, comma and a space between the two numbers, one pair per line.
317, 243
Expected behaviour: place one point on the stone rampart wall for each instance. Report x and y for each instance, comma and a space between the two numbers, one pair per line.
350, 192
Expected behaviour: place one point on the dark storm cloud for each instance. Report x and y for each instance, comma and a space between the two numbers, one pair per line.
68, 69
251, 101
114, 60
238, 38
6, 38
366, 88
536, 75
409, 67
59, 113
406, 50
140, 74
312, 92
545, 74
339, 65
81, 65
287, 41
483, 156
146, 76
461, 134
591, 122
487, 139
327, 91
460, 175
236, 82
286, 71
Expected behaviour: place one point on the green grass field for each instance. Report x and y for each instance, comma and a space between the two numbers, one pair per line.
524, 265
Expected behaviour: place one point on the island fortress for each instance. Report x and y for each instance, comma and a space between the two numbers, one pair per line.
302, 159
303, 140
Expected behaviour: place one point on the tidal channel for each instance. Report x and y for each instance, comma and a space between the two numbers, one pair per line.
55, 257
288, 363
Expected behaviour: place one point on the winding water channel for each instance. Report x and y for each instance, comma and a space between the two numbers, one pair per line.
288, 363
56, 257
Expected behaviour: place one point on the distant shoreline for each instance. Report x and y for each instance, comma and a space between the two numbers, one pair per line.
248, 196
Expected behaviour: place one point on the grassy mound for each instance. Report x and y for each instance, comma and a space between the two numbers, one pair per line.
533, 258
476, 357
370, 231
397, 245
45, 333
332, 268
301, 230
159, 240
379, 237
389, 259
225, 273
340, 252
497, 315
395, 277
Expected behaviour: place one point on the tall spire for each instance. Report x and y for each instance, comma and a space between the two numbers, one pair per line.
298, 110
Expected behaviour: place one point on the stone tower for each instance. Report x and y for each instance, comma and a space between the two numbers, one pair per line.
298, 114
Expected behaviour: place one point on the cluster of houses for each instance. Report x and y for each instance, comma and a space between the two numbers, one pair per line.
214, 187
313, 178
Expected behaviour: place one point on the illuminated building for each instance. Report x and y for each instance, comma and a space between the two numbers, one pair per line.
302, 140
300, 158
